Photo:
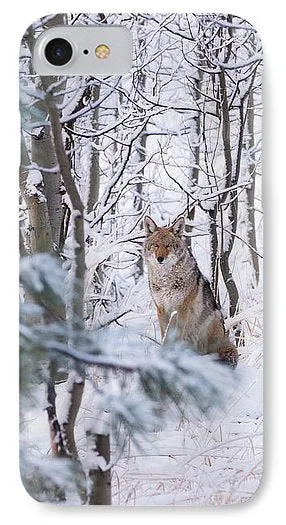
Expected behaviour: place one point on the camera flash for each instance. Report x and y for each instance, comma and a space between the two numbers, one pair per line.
102, 51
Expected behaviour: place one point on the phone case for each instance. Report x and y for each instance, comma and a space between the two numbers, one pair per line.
141, 268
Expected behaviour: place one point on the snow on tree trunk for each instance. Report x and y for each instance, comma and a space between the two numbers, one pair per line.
99, 473
78, 263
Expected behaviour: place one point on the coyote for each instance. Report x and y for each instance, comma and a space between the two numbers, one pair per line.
182, 293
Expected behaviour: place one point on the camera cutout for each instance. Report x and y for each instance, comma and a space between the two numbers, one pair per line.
83, 50
58, 52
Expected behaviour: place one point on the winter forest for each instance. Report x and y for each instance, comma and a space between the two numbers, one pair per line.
109, 416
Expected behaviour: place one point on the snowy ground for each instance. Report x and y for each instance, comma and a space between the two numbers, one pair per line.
200, 462
192, 460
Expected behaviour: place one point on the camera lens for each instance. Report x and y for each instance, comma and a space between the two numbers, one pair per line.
58, 52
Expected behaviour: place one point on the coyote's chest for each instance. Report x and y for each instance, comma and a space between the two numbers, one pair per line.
167, 298
168, 290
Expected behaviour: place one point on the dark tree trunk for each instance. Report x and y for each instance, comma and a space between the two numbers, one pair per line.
100, 480
94, 176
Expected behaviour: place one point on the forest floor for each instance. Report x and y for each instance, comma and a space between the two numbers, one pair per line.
192, 460
199, 460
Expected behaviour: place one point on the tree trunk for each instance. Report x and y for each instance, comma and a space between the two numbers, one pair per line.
250, 190
195, 156
214, 253
138, 199
224, 261
76, 379
40, 234
42, 151
94, 176
100, 480
44, 157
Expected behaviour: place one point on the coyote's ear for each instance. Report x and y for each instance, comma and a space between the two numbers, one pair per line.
150, 225
178, 227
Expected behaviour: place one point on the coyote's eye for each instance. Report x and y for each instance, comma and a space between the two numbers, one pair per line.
155, 245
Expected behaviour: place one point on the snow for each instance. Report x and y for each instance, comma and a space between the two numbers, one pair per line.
147, 138
41, 271
193, 459
33, 184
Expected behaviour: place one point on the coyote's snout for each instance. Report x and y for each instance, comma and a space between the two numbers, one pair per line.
177, 285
